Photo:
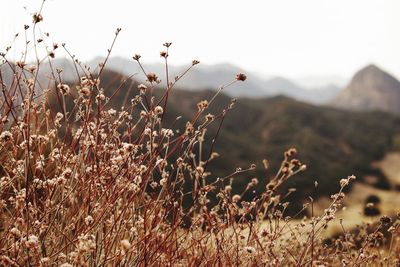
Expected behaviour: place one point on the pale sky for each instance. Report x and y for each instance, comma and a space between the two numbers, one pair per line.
291, 38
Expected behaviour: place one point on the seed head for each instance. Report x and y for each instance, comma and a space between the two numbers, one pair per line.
250, 250
85, 91
352, 177
167, 44
344, 182
158, 110
64, 88
125, 244
6, 136
241, 77
291, 152
254, 181
37, 17
385, 220
21, 64
89, 220
164, 54
236, 198
152, 77
136, 57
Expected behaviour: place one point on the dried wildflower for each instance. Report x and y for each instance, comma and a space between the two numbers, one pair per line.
64, 88
153, 185
112, 112
209, 117
32, 242
164, 54
85, 81
241, 77
195, 62
89, 220
142, 88
84, 91
32, 68
136, 57
167, 44
6, 136
158, 110
163, 181
338, 196
152, 77
37, 17
20, 64
142, 168
202, 105
189, 128
385, 220
45, 260
291, 152
236, 198
125, 244
344, 182
15, 232
351, 177
250, 250
254, 181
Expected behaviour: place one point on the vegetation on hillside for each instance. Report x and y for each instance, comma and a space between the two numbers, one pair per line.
100, 173
332, 142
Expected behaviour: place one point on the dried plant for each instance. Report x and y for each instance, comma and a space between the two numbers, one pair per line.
91, 184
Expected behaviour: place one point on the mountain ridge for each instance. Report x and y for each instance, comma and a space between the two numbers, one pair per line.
371, 88
209, 77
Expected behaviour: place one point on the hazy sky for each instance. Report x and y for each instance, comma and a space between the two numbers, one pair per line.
292, 38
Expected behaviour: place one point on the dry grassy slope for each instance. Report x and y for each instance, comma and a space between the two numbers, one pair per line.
390, 166
353, 215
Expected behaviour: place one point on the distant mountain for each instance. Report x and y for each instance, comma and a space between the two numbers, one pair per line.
320, 95
318, 81
213, 76
200, 77
371, 89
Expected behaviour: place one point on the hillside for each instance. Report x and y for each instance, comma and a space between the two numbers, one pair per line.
333, 143
371, 89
